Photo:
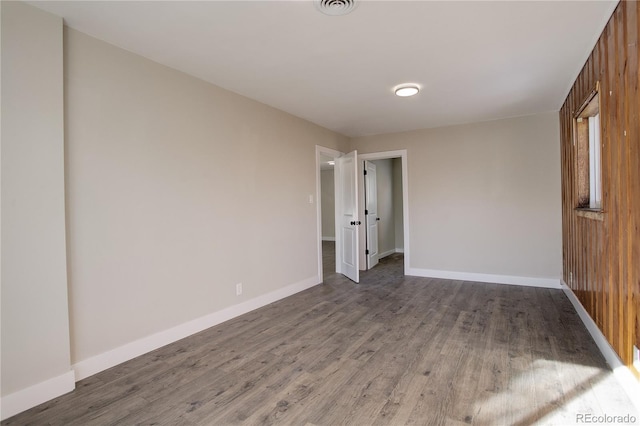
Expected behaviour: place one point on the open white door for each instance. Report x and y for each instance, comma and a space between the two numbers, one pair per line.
346, 177
371, 213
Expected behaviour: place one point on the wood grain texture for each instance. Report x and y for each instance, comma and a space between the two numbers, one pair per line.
393, 350
601, 258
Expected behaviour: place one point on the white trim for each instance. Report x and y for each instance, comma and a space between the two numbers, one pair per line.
320, 150
328, 238
93, 365
386, 253
24, 399
399, 250
402, 154
595, 173
623, 375
486, 278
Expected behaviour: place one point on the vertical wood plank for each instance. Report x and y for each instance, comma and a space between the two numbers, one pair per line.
634, 155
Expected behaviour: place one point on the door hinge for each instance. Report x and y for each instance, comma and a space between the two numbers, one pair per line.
365, 172
367, 252
366, 211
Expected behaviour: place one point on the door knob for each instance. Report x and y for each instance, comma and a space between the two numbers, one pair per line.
377, 218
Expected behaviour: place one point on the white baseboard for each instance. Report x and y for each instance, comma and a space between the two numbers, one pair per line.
386, 253
24, 399
328, 238
623, 375
95, 364
399, 250
486, 278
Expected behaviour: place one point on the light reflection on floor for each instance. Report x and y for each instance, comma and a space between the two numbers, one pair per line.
532, 399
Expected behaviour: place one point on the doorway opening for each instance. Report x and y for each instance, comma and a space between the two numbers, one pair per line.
393, 214
382, 203
325, 197
382, 179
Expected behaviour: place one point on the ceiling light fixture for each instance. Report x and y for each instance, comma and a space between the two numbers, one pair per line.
405, 90
335, 7
331, 163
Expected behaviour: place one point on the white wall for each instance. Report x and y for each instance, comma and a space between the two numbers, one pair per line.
177, 191
386, 225
327, 187
35, 324
484, 198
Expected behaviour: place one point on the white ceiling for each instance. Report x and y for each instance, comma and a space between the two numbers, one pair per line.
475, 60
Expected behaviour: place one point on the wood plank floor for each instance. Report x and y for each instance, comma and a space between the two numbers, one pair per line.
393, 350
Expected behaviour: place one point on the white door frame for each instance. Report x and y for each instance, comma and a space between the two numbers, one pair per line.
320, 150
402, 154
371, 218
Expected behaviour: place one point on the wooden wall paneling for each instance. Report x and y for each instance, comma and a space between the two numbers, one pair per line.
614, 148
601, 313
601, 258
606, 123
628, 133
584, 259
634, 178
588, 230
571, 200
595, 244
563, 196
586, 225
623, 173
586, 250
607, 282
578, 249
566, 226
637, 178
618, 221
632, 142
634, 155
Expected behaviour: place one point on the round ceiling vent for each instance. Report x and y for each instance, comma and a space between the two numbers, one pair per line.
335, 7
